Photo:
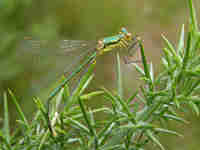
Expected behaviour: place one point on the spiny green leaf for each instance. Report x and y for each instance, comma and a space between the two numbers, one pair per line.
171, 50
144, 61
131, 98
193, 18
181, 41
6, 127
151, 72
194, 107
111, 97
91, 95
79, 125
187, 50
106, 131
173, 117
139, 69
4, 141
153, 139
40, 106
167, 131
88, 121
126, 109
19, 110
119, 77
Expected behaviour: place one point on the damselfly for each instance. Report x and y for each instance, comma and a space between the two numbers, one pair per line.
86, 51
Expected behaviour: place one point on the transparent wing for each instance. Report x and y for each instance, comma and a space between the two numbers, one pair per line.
59, 48
46, 61
131, 54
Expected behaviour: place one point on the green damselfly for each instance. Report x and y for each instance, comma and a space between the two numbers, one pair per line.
88, 51
84, 50
122, 40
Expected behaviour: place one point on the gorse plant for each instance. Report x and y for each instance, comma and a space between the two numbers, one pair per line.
131, 123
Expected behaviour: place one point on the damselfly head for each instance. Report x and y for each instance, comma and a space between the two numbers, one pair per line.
123, 30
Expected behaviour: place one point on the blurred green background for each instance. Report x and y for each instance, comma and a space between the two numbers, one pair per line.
88, 20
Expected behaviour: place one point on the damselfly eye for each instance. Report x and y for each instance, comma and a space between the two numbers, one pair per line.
129, 36
123, 30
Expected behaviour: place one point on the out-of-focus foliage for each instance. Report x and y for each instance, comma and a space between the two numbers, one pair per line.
131, 123
76, 19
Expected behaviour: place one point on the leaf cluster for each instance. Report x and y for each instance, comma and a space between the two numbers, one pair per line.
131, 123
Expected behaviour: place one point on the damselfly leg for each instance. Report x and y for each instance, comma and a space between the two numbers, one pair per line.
133, 55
